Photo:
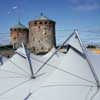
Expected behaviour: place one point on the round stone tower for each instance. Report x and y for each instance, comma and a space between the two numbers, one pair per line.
19, 34
42, 35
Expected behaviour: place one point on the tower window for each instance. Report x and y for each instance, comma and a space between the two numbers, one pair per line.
15, 30
50, 23
45, 33
42, 48
33, 39
35, 23
33, 48
39, 41
45, 22
39, 27
14, 38
40, 23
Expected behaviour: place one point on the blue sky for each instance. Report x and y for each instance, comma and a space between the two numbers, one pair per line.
68, 14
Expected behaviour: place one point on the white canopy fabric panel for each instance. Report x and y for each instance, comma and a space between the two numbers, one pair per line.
15, 76
63, 77
74, 41
95, 59
75, 60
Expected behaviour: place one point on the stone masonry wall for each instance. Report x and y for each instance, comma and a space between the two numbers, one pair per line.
41, 36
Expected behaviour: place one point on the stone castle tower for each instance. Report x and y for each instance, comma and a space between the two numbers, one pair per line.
42, 35
19, 33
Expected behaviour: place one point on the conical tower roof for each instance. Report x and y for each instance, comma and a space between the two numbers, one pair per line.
19, 25
42, 17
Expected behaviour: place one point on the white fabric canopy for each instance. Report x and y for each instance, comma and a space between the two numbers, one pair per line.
95, 59
63, 77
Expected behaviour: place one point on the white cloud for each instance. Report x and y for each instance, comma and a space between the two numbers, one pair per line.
88, 7
85, 4
9, 12
14, 7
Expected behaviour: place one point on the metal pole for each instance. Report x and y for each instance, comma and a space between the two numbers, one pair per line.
89, 62
54, 53
29, 62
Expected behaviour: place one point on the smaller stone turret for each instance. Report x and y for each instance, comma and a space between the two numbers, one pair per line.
19, 35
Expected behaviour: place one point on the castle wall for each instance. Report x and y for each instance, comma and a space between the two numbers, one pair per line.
19, 36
